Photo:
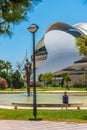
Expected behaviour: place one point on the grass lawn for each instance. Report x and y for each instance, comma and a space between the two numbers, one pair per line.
47, 89
59, 89
51, 115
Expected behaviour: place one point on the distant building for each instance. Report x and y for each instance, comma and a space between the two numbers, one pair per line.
41, 53
77, 72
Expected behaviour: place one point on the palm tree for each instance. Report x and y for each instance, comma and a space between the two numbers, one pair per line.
7, 66
2, 62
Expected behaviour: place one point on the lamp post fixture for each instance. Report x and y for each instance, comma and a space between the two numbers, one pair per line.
33, 28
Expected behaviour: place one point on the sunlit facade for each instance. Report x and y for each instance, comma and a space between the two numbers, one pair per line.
57, 49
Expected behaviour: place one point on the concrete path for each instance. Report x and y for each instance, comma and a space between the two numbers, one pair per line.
40, 125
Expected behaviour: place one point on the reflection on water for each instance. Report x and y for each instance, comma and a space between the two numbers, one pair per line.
7, 99
57, 98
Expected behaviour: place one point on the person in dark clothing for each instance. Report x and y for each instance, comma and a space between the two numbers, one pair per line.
65, 99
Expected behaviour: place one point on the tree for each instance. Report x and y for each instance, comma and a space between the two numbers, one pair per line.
7, 77
67, 79
4, 67
7, 66
46, 78
13, 12
81, 44
17, 80
39, 78
2, 64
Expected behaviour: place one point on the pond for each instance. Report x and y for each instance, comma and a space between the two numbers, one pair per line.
7, 99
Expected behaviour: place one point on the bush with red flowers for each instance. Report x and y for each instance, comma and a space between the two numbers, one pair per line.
3, 83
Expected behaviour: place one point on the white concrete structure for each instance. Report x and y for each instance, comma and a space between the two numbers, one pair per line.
59, 41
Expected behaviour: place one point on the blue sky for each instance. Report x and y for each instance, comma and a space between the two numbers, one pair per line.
48, 11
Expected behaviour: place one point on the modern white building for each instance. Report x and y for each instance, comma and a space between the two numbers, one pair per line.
57, 49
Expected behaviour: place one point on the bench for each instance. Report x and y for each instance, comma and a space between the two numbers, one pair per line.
73, 105
21, 104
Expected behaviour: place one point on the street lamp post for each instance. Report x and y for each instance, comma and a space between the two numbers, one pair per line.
33, 28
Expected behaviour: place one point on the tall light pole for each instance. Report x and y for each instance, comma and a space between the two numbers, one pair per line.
33, 28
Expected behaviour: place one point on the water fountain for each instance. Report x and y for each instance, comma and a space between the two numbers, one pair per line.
43, 98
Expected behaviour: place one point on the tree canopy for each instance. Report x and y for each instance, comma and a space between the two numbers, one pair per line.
81, 44
5, 65
13, 12
46, 78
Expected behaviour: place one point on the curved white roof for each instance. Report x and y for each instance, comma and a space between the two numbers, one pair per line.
82, 27
59, 41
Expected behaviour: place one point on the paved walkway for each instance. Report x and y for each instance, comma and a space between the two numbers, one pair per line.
42, 108
40, 125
